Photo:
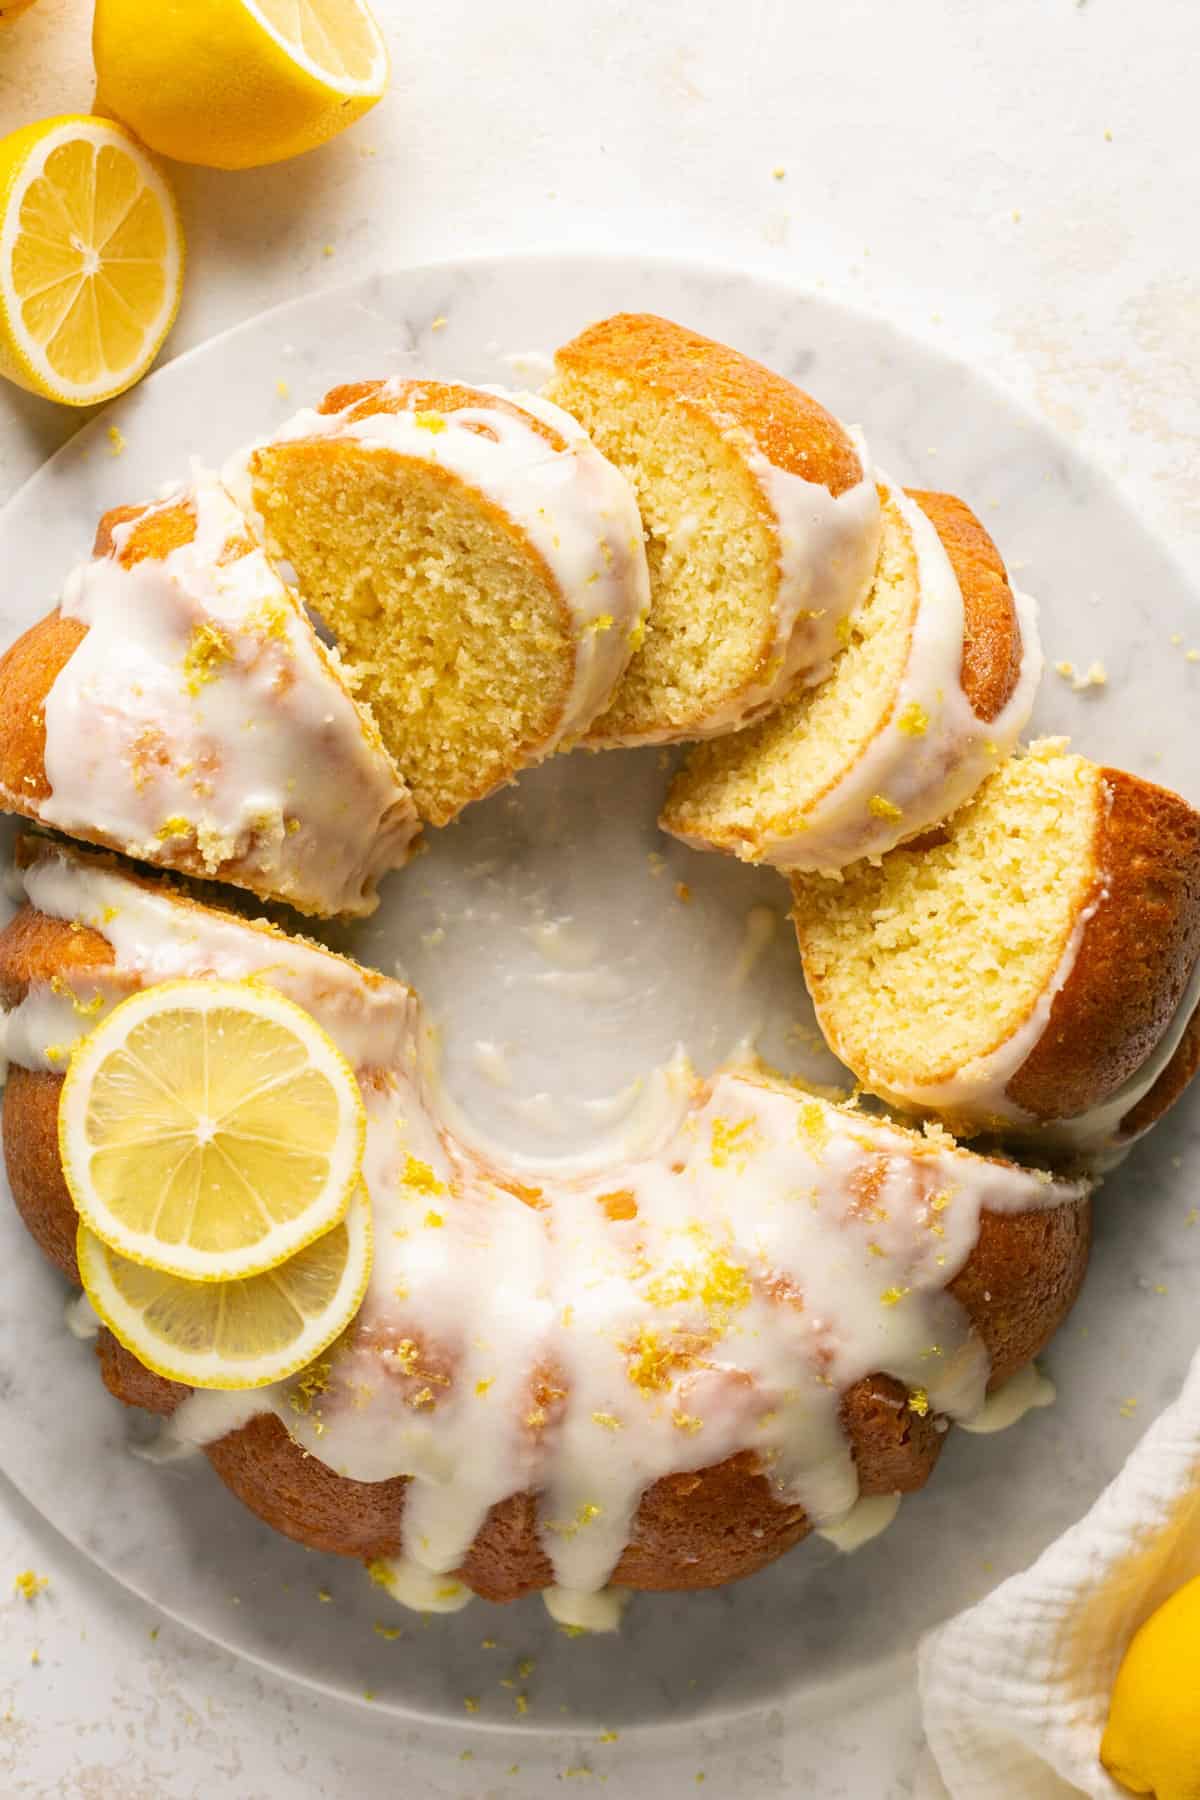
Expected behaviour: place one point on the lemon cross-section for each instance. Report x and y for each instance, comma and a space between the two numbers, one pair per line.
210, 1129
236, 83
233, 1334
91, 259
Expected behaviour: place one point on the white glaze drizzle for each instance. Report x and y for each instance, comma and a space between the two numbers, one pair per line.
510, 1344
157, 936
81, 1318
200, 724
601, 1611
868, 1519
582, 1328
924, 775
575, 508
828, 545
1021, 1394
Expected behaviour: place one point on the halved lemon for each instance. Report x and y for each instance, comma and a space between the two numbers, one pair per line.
91, 259
236, 83
210, 1129
233, 1334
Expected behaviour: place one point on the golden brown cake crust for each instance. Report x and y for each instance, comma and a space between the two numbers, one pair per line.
692, 1530
682, 1536
30, 666
1022, 1279
162, 529
36, 948
1170, 1085
28, 670
30, 1129
133, 1385
1135, 955
361, 399
992, 648
791, 429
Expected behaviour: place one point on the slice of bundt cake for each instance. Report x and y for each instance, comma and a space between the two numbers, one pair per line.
659, 1373
478, 561
1030, 967
178, 706
934, 683
761, 523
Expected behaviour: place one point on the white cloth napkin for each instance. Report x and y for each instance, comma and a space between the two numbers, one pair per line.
1015, 1691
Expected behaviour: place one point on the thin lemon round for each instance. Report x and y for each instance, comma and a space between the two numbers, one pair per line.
236, 83
233, 1334
210, 1129
91, 259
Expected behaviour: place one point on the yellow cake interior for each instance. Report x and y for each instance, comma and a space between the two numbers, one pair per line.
938, 954
710, 544
449, 624
742, 792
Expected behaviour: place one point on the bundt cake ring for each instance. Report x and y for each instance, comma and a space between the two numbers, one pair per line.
660, 1368
655, 1374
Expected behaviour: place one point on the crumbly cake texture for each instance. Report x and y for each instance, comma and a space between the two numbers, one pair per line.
1025, 963
478, 562
165, 707
993, 1281
739, 476
836, 772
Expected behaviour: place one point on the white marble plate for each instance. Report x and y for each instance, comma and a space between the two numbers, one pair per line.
542, 925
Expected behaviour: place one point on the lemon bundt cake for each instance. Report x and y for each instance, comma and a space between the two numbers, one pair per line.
761, 523
178, 706
478, 561
659, 1373
930, 691
1031, 967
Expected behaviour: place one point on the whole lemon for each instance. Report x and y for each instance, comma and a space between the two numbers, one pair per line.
236, 83
1151, 1744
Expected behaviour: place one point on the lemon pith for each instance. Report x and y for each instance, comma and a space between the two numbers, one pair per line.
235, 1334
237, 83
91, 258
210, 1129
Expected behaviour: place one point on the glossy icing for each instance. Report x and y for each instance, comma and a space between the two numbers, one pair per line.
178, 729
586, 1336
573, 506
827, 549
582, 1328
157, 936
1024, 1392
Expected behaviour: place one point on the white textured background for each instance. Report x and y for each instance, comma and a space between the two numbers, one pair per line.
1015, 181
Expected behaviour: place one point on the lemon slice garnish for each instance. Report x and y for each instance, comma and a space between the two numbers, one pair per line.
91, 259
210, 1129
233, 1334
235, 83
